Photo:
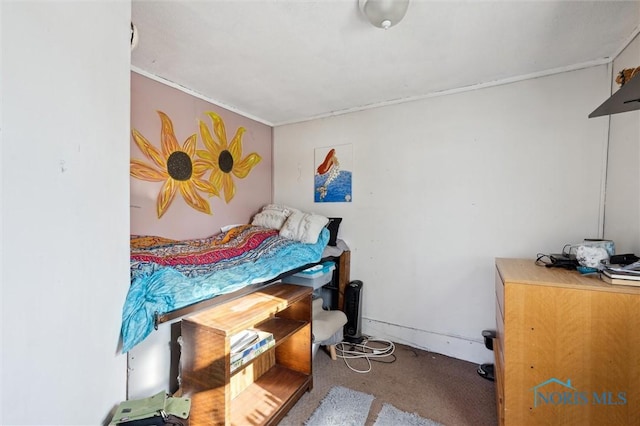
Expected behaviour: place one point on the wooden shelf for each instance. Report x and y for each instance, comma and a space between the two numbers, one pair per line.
263, 390
281, 328
267, 397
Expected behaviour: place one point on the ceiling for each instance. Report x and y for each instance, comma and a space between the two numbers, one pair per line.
284, 61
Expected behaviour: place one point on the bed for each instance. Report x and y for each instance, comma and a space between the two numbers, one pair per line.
171, 277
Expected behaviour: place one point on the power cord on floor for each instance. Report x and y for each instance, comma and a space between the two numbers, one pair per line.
370, 349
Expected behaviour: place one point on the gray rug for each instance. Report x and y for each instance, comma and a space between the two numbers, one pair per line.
391, 416
342, 407
345, 407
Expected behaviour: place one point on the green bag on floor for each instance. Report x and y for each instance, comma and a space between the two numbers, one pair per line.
158, 405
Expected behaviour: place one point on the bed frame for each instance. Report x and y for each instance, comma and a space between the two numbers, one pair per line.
223, 298
153, 365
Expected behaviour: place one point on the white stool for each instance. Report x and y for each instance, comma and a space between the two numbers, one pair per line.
326, 327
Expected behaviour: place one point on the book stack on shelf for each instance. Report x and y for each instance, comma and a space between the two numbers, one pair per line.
247, 345
622, 274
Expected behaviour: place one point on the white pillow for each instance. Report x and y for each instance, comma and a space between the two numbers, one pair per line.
280, 208
303, 227
272, 216
269, 219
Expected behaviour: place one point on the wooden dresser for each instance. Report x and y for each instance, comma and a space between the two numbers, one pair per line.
567, 350
262, 391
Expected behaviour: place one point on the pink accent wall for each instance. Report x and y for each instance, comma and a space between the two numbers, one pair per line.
180, 220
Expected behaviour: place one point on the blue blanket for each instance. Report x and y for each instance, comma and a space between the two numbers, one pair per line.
163, 279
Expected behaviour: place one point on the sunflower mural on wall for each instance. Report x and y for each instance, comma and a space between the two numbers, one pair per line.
225, 159
178, 168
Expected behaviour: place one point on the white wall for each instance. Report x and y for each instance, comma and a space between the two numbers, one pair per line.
622, 213
65, 209
444, 185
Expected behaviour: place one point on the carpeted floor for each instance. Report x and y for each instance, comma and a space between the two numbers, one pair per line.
436, 387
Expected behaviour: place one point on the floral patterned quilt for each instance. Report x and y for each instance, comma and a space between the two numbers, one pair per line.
169, 274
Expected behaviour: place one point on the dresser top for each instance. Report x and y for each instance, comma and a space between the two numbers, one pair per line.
525, 271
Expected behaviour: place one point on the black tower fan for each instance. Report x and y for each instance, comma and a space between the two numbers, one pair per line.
352, 308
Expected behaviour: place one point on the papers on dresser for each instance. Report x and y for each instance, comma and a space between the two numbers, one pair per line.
622, 274
632, 268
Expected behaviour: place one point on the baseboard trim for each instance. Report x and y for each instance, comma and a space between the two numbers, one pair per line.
472, 350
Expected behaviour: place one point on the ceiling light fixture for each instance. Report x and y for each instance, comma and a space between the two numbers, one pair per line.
384, 13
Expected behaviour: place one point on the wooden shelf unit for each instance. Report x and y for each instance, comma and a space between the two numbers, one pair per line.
265, 389
567, 350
